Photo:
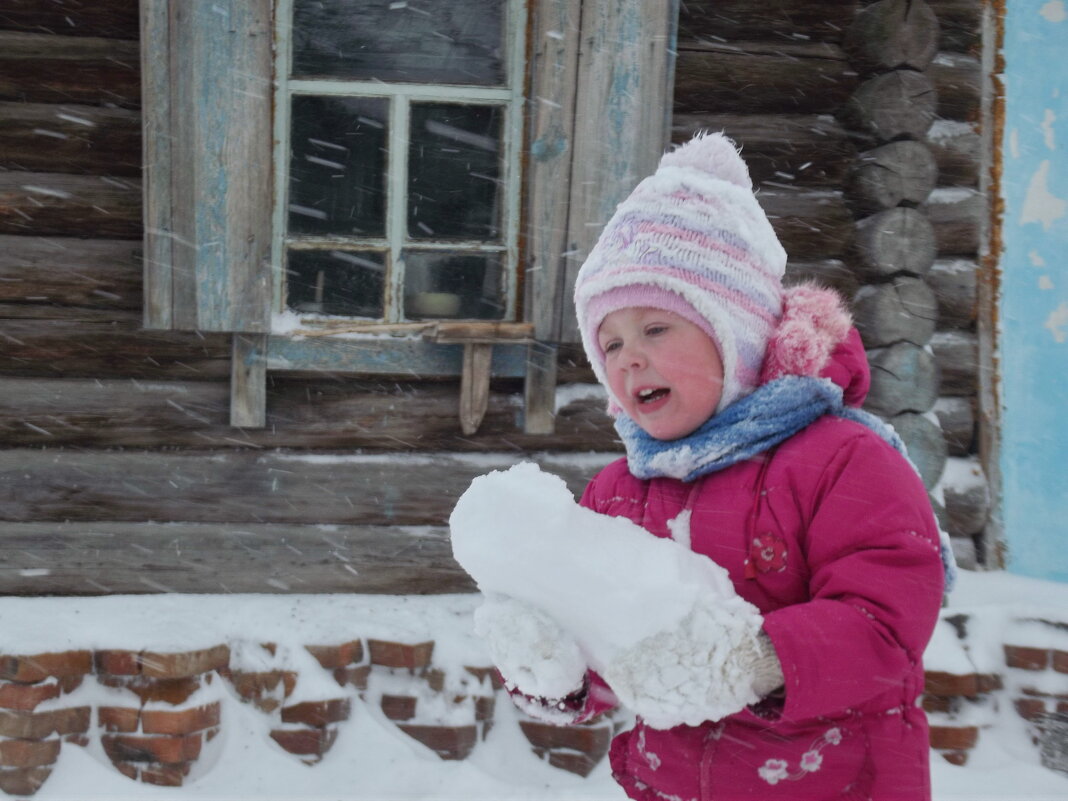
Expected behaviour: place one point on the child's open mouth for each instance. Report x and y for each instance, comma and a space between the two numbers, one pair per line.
652, 395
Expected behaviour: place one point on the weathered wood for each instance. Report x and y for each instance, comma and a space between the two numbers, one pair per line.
899, 240
349, 414
110, 19
902, 310
553, 71
248, 381
42, 68
43, 137
762, 78
136, 558
50, 204
957, 354
955, 283
892, 34
957, 148
898, 173
957, 418
253, 487
967, 495
812, 225
474, 386
958, 81
960, 23
892, 106
106, 345
904, 378
810, 150
925, 444
96, 273
957, 215
830, 273
781, 21
539, 390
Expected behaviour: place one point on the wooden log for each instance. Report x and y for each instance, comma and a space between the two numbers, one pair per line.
904, 378
902, 310
925, 444
106, 345
136, 558
955, 283
967, 497
51, 204
957, 418
43, 68
830, 273
895, 105
896, 174
957, 215
892, 34
253, 487
96, 273
960, 23
958, 81
783, 20
110, 19
957, 354
810, 150
302, 413
44, 137
957, 149
762, 78
895, 241
812, 225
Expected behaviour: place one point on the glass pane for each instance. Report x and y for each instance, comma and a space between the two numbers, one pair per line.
349, 282
420, 41
337, 166
453, 285
454, 187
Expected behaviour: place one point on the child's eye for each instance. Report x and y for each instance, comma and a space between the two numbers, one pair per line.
653, 330
613, 345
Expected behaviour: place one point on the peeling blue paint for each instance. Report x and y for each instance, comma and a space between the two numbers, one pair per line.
1033, 339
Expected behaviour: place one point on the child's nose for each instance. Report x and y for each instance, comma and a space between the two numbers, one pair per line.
633, 356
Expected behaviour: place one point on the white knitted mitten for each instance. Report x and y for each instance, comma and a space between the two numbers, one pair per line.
714, 664
530, 649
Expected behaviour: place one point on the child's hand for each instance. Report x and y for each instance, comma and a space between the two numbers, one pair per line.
530, 649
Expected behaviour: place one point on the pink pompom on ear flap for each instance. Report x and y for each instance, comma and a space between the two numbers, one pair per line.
711, 153
813, 324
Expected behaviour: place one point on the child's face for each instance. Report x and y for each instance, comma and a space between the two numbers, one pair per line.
664, 370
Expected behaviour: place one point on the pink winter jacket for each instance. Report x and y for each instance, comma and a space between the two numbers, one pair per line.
831, 536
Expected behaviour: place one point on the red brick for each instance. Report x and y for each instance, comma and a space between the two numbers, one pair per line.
989, 683
940, 703
401, 655
448, 742
77, 739
184, 664
261, 689
38, 725
118, 718
15, 695
24, 781
399, 707
318, 713
954, 738
1030, 708
353, 676
484, 707
112, 662
1060, 661
947, 684
28, 753
127, 769
130, 748
435, 679
38, 667
170, 691
1062, 707
593, 740
337, 656
955, 757
1025, 658
305, 742
180, 721
483, 674
582, 764
166, 775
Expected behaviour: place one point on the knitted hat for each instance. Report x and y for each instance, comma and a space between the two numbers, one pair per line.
691, 239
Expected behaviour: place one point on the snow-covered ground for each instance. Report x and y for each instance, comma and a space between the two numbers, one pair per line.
371, 758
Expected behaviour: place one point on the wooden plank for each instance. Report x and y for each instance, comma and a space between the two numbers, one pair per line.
811, 224
782, 21
93, 273
109, 19
553, 70
539, 390
112, 558
762, 78
69, 138
43, 68
51, 204
622, 125
347, 414
248, 381
474, 385
39, 486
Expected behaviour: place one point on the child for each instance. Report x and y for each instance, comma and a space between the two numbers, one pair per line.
735, 401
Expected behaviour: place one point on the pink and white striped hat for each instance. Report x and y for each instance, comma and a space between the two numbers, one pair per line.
692, 239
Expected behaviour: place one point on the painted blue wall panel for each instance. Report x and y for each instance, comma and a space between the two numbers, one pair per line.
1033, 339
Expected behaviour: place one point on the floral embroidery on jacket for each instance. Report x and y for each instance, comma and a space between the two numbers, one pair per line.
768, 553
775, 770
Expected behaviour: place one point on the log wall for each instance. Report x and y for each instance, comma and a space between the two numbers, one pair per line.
111, 433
